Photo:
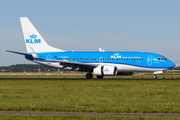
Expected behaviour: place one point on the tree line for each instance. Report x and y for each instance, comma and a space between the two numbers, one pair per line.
27, 68
37, 68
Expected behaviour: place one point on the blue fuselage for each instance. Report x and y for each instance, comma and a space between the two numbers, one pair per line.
132, 59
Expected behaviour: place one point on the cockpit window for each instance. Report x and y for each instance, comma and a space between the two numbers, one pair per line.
162, 58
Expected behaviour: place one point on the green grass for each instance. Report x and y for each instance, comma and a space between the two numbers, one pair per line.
91, 96
82, 75
37, 117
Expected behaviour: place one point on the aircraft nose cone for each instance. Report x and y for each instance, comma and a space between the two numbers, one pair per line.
171, 64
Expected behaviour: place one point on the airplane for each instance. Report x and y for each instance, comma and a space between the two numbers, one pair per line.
101, 63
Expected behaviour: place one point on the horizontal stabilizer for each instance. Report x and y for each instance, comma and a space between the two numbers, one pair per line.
18, 53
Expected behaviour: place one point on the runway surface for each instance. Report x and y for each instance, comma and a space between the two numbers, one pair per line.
88, 79
91, 114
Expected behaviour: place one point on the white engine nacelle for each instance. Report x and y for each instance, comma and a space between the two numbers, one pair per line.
105, 70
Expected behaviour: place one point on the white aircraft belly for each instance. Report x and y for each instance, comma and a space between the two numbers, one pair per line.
120, 67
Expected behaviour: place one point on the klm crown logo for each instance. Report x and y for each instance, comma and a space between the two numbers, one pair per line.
33, 36
33, 39
106, 70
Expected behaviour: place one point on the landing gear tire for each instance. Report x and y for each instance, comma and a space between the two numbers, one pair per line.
100, 77
89, 76
154, 76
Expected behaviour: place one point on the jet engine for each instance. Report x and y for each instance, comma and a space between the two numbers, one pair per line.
105, 70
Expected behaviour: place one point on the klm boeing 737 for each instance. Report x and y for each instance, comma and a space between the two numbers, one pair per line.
100, 63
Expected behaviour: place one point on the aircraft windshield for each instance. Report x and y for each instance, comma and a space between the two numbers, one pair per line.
162, 58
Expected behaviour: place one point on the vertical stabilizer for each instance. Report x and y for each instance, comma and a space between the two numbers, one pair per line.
33, 39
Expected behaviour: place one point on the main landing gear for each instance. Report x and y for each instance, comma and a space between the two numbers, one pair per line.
154, 76
89, 75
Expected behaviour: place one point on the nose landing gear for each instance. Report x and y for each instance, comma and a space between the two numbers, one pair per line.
154, 76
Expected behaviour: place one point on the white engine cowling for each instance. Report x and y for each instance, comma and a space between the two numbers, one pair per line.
105, 70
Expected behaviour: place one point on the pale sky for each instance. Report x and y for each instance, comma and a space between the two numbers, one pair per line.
114, 25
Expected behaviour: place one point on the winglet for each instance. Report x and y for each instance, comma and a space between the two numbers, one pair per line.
101, 50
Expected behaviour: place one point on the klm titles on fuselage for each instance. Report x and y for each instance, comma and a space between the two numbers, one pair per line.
33, 39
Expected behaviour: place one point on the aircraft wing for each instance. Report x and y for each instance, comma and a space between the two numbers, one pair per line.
75, 65
79, 66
